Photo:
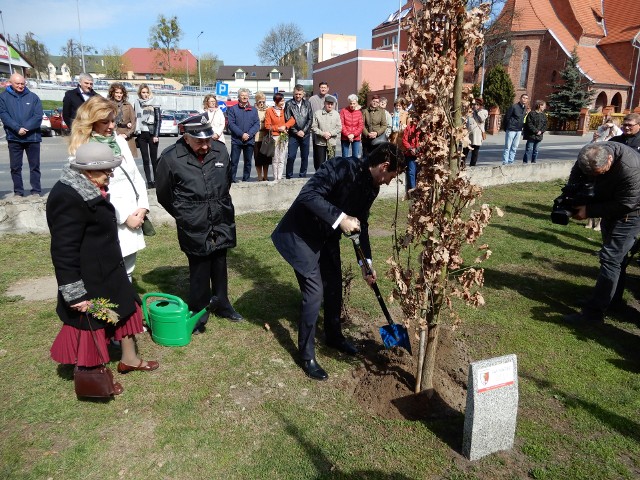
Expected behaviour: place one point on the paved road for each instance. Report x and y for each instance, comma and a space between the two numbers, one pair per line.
54, 155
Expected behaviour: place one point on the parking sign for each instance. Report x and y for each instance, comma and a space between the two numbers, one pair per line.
222, 89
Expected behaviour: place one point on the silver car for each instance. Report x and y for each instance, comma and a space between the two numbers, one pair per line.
169, 125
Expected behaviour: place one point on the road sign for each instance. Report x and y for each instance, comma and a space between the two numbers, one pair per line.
222, 106
222, 89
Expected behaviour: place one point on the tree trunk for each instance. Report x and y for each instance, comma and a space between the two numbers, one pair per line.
421, 354
430, 363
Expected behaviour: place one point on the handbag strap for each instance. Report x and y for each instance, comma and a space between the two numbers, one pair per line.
131, 182
95, 341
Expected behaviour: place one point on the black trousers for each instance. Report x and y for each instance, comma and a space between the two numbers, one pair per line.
149, 152
206, 275
323, 283
474, 154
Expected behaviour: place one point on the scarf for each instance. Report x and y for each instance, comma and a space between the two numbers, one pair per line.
120, 113
144, 113
111, 141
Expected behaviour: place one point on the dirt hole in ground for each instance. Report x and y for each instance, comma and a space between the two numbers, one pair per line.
384, 384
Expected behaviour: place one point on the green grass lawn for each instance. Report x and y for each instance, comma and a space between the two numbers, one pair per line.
233, 404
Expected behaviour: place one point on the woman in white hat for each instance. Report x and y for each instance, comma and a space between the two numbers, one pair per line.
88, 265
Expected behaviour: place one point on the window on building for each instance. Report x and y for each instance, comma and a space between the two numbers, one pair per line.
524, 67
394, 40
554, 76
240, 75
253, 75
385, 42
275, 75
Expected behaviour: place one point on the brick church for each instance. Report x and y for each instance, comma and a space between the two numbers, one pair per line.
543, 33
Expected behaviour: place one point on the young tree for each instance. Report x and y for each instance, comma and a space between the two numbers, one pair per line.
498, 89
283, 39
114, 64
571, 95
165, 36
363, 93
427, 264
209, 63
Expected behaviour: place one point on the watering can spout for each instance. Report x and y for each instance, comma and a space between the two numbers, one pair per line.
193, 320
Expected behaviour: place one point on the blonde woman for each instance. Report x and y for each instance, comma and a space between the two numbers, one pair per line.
148, 131
215, 116
95, 122
262, 161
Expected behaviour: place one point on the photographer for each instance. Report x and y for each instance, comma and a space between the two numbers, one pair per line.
614, 170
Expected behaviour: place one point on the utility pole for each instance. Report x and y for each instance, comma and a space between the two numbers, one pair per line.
199, 70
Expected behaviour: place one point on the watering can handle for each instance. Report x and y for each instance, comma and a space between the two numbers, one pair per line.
145, 310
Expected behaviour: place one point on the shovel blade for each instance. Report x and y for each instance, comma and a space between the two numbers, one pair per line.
395, 335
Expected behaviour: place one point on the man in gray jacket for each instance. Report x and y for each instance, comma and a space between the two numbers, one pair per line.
614, 171
298, 108
21, 114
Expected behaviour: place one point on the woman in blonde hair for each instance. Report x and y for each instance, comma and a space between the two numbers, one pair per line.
148, 131
95, 122
262, 161
215, 116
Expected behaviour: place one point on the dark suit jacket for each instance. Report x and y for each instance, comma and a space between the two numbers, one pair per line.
70, 104
340, 185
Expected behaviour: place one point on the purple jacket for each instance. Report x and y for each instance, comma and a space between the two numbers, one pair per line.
243, 120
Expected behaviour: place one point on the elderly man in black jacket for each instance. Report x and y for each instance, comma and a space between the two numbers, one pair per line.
614, 170
298, 108
335, 200
193, 179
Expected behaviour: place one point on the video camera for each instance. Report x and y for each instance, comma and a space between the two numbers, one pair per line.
573, 195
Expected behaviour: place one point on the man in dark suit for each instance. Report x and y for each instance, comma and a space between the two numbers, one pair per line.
76, 97
335, 200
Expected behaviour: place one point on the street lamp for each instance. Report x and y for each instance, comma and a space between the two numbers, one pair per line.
6, 42
199, 70
635, 43
84, 70
484, 57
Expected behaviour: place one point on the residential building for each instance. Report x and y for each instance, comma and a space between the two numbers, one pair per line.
264, 78
150, 64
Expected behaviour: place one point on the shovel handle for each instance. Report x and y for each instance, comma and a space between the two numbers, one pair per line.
369, 271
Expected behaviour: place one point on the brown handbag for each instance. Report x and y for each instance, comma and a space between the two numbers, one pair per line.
94, 382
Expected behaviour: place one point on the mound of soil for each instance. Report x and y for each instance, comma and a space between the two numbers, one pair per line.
384, 384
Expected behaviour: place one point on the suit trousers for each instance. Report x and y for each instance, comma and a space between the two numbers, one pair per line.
207, 274
16, 152
323, 283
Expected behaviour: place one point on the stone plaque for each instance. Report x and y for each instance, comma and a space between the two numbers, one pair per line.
492, 407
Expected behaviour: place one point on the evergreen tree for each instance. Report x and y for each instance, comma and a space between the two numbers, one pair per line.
571, 95
362, 94
498, 89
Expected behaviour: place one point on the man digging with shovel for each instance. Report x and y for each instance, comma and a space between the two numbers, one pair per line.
335, 200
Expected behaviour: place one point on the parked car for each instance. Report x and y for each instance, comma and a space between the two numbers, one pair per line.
169, 125
58, 125
45, 127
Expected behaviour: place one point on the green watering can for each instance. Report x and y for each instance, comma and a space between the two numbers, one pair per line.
169, 319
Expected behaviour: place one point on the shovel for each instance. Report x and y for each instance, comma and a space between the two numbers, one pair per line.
393, 334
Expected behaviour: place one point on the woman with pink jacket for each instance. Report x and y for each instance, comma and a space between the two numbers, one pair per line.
352, 126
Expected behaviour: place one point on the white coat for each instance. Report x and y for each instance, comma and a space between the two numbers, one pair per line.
217, 121
123, 198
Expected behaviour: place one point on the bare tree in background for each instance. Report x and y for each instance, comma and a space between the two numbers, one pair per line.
72, 56
279, 43
36, 52
165, 36
209, 63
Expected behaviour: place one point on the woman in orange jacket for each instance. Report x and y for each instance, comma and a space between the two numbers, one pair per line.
275, 123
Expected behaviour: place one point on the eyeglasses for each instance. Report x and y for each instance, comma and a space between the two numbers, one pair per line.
629, 125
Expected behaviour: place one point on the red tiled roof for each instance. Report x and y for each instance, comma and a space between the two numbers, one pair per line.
621, 21
146, 60
538, 15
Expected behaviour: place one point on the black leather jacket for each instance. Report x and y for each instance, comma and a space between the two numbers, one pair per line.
303, 116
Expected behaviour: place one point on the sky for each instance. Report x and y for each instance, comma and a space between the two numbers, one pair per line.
232, 31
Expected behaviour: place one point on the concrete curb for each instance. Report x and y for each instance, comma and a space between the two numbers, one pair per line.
27, 215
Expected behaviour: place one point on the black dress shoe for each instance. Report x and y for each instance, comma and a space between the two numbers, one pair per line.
343, 346
313, 370
229, 313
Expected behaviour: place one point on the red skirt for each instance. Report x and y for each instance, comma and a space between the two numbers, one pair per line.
67, 349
